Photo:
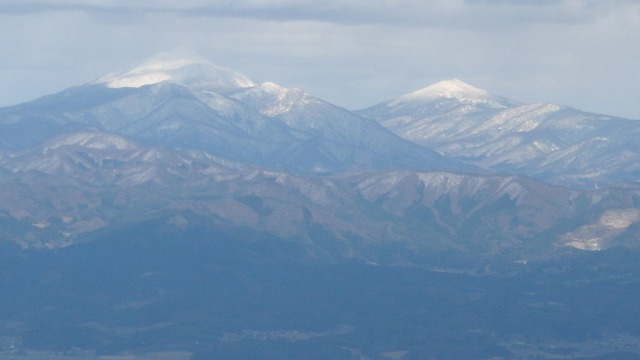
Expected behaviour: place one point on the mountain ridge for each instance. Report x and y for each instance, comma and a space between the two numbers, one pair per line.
96, 188
265, 124
539, 140
285, 163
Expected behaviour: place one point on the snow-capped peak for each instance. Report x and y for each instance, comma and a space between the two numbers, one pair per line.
455, 90
449, 89
186, 69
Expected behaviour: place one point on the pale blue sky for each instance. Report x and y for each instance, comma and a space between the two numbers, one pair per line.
353, 53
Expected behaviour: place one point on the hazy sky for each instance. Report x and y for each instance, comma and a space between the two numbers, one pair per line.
582, 53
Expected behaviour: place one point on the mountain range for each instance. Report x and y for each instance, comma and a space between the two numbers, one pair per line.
446, 168
180, 207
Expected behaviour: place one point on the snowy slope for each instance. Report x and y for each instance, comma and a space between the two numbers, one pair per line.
552, 142
185, 140
190, 103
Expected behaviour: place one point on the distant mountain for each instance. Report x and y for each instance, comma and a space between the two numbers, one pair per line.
193, 104
551, 142
83, 183
181, 139
179, 210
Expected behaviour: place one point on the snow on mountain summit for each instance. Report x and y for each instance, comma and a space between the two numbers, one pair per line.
449, 89
455, 90
185, 69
